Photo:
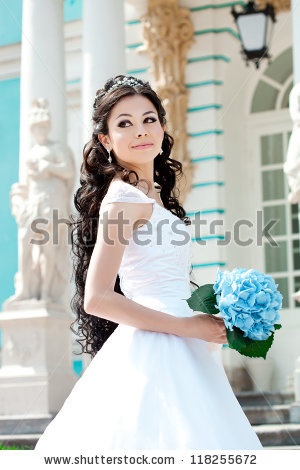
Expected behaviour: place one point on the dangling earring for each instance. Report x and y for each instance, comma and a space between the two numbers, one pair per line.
109, 156
161, 152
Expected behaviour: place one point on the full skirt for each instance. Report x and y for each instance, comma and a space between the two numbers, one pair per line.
148, 390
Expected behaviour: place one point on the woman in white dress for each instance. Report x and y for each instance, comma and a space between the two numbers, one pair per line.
154, 381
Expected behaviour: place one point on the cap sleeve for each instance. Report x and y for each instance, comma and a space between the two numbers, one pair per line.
119, 191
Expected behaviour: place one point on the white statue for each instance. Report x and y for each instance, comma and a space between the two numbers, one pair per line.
41, 207
292, 165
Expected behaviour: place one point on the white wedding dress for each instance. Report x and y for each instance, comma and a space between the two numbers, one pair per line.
147, 390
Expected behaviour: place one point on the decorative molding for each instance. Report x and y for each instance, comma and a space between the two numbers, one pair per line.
168, 33
279, 5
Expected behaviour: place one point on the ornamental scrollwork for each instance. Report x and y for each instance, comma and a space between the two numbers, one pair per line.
279, 5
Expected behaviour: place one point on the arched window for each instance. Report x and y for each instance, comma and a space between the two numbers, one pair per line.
272, 91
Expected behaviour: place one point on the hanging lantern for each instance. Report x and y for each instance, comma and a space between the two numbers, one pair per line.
255, 28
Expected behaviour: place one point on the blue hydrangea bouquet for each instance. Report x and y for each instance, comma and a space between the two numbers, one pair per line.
249, 303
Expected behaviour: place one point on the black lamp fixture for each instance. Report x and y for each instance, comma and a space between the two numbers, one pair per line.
255, 28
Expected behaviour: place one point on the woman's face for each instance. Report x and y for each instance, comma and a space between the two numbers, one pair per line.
134, 132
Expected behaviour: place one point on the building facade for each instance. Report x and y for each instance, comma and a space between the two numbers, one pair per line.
233, 127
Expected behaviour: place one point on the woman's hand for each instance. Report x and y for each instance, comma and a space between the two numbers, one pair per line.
206, 327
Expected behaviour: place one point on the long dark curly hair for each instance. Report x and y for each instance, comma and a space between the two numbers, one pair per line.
95, 177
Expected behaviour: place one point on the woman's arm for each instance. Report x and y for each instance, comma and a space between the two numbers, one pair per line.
100, 298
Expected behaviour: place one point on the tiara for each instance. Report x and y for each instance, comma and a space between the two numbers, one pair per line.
126, 81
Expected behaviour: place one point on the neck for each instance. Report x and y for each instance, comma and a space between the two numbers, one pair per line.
144, 174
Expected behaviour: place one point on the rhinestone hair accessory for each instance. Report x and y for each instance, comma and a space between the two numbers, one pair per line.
126, 81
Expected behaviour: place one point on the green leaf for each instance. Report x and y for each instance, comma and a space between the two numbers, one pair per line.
203, 299
246, 346
277, 326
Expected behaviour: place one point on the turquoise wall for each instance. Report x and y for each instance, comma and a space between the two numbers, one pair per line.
73, 10
11, 18
10, 22
9, 174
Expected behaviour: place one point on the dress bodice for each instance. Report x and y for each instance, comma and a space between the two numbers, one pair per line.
155, 268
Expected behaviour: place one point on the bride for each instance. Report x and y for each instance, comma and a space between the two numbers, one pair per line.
154, 381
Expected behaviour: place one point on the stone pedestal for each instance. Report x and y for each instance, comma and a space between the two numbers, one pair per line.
295, 413
36, 374
295, 408
297, 380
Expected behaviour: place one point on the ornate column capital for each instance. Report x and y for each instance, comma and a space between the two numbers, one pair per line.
279, 5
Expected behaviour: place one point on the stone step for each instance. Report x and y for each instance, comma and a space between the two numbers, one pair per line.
273, 414
264, 399
21, 441
270, 422
267, 438
11, 425
274, 435
282, 447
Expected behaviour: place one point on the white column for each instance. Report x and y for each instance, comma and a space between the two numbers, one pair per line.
295, 8
103, 51
42, 68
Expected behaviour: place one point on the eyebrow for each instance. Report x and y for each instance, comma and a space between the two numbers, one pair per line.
130, 115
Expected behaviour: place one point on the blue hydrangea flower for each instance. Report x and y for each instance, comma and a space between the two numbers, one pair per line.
248, 300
